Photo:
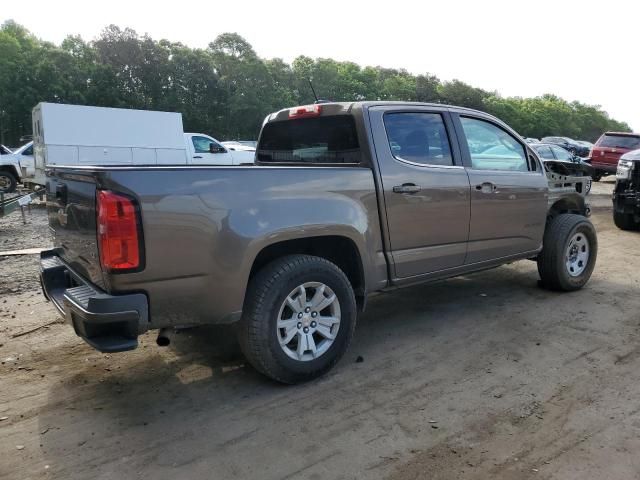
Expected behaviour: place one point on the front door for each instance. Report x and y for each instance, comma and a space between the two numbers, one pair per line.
425, 188
508, 191
202, 154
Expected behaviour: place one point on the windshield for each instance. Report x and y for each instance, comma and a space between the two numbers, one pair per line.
330, 139
619, 141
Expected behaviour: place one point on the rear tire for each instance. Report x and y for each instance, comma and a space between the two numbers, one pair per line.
272, 314
8, 182
596, 177
569, 252
625, 221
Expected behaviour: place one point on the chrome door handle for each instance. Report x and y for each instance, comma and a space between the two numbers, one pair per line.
197, 156
406, 188
487, 187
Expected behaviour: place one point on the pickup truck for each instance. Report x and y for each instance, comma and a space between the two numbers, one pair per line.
205, 150
345, 200
13, 166
626, 194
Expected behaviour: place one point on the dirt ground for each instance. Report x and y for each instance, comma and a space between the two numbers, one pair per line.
480, 377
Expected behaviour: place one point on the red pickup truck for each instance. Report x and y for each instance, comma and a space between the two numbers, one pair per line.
608, 150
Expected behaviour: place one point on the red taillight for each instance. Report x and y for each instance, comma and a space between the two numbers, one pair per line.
117, 232
305, 111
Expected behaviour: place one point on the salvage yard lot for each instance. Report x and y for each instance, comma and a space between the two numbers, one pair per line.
483, 376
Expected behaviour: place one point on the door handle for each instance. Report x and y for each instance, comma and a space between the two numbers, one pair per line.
487, 187
197, 156
407, 188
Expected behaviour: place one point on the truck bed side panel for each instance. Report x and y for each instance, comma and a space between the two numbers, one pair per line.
203, 228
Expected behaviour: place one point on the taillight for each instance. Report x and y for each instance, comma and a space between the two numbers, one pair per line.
118, 239
305, 111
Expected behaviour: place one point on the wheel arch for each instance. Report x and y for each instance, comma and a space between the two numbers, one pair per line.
573, 203
12, 169
338, 249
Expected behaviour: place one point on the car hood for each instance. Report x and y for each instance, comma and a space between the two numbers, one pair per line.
632, 155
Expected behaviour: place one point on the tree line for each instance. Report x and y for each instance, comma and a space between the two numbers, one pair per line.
226, 90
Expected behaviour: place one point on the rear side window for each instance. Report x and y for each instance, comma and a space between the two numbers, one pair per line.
561, 153
492, 148
418, 138
331, 139
619, 141
545, 152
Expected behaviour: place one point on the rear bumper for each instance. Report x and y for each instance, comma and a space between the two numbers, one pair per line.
109, 323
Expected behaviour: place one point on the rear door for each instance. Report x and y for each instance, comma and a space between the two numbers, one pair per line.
509, 190
425, 188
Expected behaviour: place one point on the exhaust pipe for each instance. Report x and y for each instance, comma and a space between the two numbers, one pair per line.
163, 339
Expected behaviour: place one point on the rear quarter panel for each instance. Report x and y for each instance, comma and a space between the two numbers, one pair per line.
203, 228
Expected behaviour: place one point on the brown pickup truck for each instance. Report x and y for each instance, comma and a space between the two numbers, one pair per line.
345, 199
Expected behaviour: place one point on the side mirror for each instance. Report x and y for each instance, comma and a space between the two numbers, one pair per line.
213, 148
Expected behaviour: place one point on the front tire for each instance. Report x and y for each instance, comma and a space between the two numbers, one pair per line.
298, 319
569, 252
625, 221
8, 182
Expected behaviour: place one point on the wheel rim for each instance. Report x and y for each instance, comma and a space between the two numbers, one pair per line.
577, 254
308, 321
5, 182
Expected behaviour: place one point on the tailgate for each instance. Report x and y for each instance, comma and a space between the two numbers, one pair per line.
71, 206
607, 155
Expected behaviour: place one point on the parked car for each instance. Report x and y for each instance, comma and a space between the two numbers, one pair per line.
584, 143
560, 161
13, 167
244, 143
626, 194
236, 145
568, 144
348, 199
608, 150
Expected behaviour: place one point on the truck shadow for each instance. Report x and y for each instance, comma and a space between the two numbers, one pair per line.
200, 393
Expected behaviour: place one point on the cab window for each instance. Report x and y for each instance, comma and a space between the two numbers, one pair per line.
202, 144
492, 148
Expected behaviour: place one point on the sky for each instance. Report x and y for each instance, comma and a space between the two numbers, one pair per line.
578, 50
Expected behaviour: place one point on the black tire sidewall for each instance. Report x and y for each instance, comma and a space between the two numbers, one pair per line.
274, 362
12, 182
567, 281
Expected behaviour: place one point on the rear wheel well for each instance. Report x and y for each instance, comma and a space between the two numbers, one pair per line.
574, 205
10, 169
341, 251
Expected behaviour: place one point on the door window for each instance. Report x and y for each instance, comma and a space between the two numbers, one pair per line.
28, 150
418, 138
492, 148
202, 144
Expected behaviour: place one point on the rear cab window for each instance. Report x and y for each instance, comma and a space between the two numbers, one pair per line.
631, 142
322, 140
